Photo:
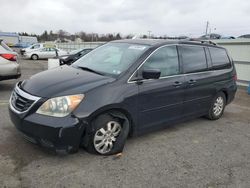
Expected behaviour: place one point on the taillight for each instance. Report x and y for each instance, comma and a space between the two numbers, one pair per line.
10, 57
235, 77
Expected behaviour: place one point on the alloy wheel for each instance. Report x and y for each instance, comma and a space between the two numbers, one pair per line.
105, 137
218, 106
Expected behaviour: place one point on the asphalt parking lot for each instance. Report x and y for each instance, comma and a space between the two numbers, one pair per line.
197, 153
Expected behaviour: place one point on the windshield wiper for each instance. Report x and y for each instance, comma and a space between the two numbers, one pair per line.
90, 70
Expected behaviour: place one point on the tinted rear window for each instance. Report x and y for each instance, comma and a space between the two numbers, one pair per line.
219, 58
193, 58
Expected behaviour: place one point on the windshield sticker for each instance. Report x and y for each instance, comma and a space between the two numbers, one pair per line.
134, 47
116, 72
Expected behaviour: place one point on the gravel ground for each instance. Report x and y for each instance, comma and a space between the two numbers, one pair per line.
197, 153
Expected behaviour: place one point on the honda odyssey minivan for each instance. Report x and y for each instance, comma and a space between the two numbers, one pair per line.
123, 88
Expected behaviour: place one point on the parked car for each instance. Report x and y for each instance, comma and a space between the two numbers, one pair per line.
44, 53
120, 89
9, 65
246, 36
37, 46
73, 56
215, 36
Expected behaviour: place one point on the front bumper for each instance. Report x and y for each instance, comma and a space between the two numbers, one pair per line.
59, 134
16, 76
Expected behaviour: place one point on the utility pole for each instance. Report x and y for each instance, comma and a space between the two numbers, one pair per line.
149, 32
207, 27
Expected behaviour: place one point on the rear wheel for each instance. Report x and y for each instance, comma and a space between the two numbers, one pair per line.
108, 136
217, 107
34, 57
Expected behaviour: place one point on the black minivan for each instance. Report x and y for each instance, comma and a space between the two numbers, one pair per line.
123, 88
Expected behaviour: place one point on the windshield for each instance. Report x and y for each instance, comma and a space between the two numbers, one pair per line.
111, 58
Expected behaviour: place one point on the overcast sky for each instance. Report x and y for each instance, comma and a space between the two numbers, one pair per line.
162, 17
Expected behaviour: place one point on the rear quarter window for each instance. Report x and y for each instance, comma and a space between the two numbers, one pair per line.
219, 58
193, 58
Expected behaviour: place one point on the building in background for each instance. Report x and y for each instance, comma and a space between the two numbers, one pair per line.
15, 40
11, 39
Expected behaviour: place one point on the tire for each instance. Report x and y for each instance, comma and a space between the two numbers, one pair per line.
108, 135
217, 106
34, 57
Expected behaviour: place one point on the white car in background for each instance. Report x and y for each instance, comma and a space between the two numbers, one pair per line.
9, 65
37, 46
44, 53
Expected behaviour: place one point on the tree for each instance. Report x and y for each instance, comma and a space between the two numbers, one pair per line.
62, 34
44, 36
118, 36
110, 37
130, 36
82, 35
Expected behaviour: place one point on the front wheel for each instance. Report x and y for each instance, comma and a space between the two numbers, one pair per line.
217, 107
108, 136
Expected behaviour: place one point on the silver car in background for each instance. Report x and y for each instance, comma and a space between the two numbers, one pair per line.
44, 53
9, 65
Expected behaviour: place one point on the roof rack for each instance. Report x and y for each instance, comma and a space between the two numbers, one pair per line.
201, 41
208, 42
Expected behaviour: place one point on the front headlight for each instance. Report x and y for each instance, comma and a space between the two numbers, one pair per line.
60, 106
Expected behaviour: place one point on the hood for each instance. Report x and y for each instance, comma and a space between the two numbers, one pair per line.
63, 56
64, 80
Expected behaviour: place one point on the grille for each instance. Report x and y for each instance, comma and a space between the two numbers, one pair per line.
20, 103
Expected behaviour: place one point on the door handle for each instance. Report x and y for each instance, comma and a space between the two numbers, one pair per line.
177, 84
191, 82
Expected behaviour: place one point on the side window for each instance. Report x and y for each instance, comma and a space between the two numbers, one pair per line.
193, 58
164, 59
219, 58
35, 47
45, 50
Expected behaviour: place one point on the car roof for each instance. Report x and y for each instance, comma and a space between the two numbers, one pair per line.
161, 42
150, 42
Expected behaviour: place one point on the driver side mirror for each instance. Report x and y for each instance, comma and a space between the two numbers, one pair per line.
151, 74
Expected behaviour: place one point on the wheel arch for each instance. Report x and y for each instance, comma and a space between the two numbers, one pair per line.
116, 112
225, 92
111, 110
35, 55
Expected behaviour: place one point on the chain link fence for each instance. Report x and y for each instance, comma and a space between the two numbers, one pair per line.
75, 46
